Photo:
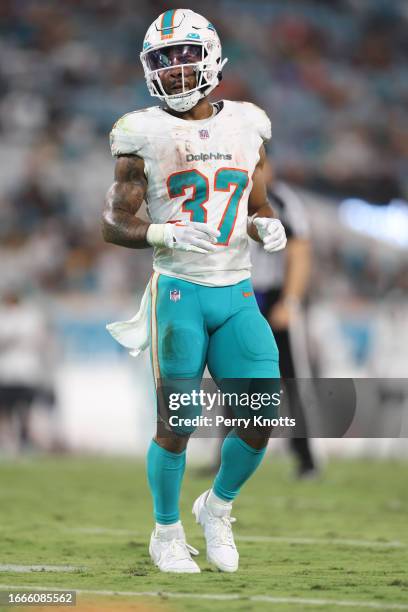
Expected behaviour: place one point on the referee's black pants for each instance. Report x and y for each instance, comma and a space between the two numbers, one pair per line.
299, 446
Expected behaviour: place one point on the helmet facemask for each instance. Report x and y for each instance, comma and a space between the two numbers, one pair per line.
201, 58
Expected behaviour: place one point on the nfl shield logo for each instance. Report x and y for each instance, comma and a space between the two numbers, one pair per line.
175, 295
203, 134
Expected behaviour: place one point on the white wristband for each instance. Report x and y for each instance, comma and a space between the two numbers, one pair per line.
250, 220
155, 234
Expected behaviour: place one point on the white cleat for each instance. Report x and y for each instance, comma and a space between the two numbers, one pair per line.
221, 549
171, 553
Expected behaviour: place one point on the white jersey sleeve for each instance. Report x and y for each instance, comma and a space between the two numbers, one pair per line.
129, 134
258, 120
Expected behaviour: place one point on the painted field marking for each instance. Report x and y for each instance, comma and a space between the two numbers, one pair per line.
27, 569
323, 541
257, 538
297, 601
102, 531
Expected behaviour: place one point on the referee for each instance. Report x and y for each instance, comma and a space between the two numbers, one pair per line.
280, 282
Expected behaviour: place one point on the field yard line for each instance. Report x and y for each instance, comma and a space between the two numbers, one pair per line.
345, 603
335, 541
255, 538
26, 569
101, 531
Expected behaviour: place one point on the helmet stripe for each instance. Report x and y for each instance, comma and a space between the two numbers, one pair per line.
167, 24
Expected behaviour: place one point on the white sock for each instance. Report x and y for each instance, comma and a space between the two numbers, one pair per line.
218, 506
169, 531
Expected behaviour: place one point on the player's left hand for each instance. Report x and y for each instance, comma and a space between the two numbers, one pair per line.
272, 233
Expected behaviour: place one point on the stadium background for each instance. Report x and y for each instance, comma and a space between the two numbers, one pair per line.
333, 77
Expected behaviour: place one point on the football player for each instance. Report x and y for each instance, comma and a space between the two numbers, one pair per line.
199, 168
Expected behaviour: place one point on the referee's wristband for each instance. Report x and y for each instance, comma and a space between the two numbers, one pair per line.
290, 300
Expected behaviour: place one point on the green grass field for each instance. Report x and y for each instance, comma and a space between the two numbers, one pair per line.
343, 539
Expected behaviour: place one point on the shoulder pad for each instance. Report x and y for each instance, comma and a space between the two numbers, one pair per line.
128, 135
258, 119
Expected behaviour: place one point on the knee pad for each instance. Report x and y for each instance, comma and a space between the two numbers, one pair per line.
178, 416
181, 351
184, 422
254, 336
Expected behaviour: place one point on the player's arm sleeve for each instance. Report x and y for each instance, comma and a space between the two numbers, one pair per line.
125, 137
260, 121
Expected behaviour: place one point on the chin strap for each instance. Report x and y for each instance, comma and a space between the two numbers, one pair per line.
186, 102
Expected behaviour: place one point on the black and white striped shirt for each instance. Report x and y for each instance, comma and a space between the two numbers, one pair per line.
268, 269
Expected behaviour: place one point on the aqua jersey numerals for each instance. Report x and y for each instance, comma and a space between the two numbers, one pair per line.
224, 179
177, 185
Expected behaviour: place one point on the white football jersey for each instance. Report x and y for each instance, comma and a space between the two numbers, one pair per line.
199, 171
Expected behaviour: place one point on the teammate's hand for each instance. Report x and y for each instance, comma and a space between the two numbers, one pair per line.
191, 236
272, 233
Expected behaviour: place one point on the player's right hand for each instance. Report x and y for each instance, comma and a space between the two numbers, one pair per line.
191, 236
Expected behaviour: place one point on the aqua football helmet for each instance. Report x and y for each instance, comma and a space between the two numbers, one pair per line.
183, 38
